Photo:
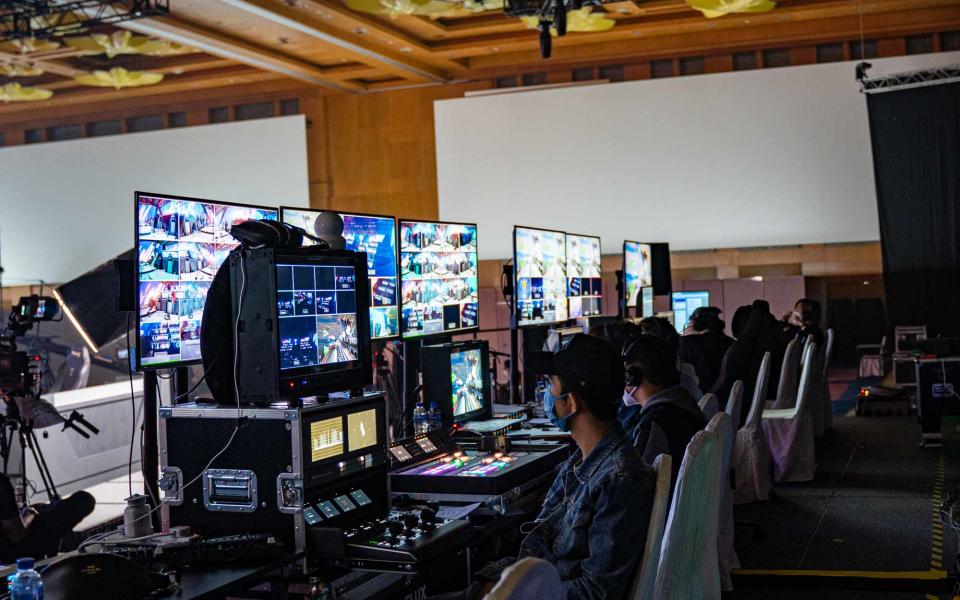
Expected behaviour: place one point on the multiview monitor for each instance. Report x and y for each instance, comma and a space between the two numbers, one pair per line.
180, 244
540, 276
375, 235
646, 302
684, 303
584, 285
637, 271
438, 278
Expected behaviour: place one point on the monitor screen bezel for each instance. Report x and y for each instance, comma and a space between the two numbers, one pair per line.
419, 336
396, 257
600, 296
334, 378
516, 278
623, 257
139, 366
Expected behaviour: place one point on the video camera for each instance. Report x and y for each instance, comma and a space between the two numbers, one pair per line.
19, 372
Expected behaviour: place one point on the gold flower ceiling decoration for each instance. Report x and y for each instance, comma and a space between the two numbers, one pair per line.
118, 78
20, 70
581, 20
717, 8
434, 9
124, 42
28, 45
14, 92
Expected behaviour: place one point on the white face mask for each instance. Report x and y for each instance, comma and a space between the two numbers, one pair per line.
628, 398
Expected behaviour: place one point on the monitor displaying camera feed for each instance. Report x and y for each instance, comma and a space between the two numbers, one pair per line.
646, 302
317, 316
540, 274
375, 235
637, 270
684, 303
466, 378
180, 244
326, 439
438, 278
584, 286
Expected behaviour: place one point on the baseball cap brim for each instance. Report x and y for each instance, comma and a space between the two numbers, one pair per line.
540, 363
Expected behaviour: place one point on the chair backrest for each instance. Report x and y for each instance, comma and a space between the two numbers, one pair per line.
527, 579
709, 405
735, 404
789, 376
827, 353
657, 444
688, 557
808, 387
643, 583
760, 393
722, 425
806, 344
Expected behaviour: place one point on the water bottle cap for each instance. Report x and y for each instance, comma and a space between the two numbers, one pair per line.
136, 500
25, 564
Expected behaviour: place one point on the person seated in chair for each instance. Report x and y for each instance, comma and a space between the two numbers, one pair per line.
37, 532
594, 520
652, 394
705, 344
664, 329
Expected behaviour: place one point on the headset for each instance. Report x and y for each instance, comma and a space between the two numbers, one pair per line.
632, 374
267, 233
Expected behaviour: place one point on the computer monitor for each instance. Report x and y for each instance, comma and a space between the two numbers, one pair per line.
540, 276
584, 285
180, 243
646, 302
377, 236
438, 278
457, 377
637, 271
684, 303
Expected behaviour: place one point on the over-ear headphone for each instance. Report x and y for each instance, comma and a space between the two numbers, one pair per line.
267, 233
632, 374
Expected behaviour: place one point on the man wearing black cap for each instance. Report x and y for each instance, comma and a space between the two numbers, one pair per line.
594, 520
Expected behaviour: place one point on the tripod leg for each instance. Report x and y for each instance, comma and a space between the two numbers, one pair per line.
42, 467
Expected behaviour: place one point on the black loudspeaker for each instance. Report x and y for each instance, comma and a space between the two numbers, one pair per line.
96, 576
662, 279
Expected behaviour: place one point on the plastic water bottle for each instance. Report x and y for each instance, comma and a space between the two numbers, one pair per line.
433, 416
26, 583
420, 422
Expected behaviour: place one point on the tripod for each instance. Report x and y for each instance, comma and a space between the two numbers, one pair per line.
27, 438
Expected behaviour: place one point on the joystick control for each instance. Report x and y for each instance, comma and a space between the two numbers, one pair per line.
395, 528
428, 519
411, 520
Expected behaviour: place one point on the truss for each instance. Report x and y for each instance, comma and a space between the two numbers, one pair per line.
46, 18
913, 79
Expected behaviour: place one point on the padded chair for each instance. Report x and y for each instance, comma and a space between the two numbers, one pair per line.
789, 377
808, 341
826, 404
657, 444
789, 432
734, 406
751, 458
642, 588
528, 579
689, 567
726, 554
709, 405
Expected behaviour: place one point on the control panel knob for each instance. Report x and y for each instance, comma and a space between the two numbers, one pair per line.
428, 519
411, 520
395, 527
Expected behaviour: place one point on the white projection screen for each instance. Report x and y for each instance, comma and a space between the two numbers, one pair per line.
66, 207
753, 158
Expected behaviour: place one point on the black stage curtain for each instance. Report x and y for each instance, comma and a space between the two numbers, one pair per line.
915, 134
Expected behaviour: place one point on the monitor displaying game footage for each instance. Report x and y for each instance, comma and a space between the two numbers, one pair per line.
637, 270
584, 285
540, 276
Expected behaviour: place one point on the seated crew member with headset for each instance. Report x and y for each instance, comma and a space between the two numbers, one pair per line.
37, 533
653, 394
595, 516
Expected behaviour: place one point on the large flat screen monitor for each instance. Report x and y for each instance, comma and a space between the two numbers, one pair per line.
180, 244
377, 236
540, 276
637, 270
438, 278
457, 377
584, 285
684, 303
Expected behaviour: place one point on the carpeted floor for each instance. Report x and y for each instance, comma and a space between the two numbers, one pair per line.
870, 508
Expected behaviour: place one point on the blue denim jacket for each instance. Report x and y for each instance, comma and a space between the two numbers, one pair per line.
594, 520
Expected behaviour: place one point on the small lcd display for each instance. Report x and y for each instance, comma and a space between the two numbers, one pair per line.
426, 445
326, 438
400, 453
311, 516
360, 497
361, 429
345, 504
328, 509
